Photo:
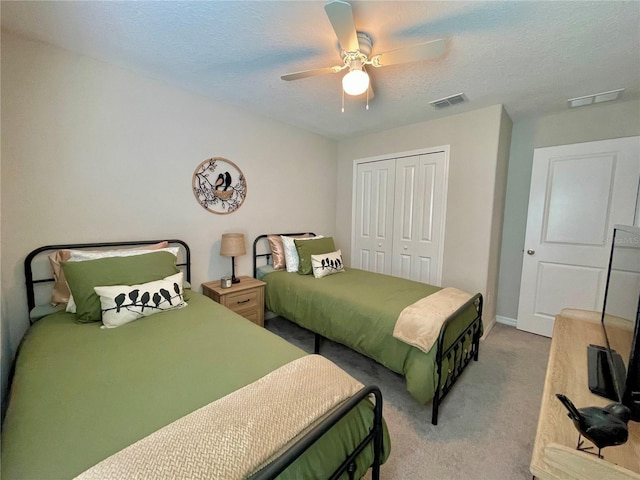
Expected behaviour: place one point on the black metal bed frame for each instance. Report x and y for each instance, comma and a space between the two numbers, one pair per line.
349, 464
457, 355
276, 467
30, 282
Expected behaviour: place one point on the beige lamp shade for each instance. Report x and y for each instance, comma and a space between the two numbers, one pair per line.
232, 245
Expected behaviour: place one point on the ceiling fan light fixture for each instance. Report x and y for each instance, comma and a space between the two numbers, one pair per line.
356, 82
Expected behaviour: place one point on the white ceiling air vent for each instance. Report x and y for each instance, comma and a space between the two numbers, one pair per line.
448, 101
595, 98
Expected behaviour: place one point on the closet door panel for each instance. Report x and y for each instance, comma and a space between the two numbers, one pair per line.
375, 183
419, 217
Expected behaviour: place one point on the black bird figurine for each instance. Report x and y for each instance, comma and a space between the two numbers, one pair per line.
227, 180
604, 426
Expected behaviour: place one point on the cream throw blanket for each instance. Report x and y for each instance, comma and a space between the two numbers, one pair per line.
420, 323
235, 436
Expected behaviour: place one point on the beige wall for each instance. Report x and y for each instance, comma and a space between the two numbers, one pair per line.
92, 152
500, 192
474, 140
585, 124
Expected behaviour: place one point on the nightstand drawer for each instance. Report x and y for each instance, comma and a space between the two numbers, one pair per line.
242, 301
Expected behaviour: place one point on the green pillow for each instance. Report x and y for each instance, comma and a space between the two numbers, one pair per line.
132, 270
306, 248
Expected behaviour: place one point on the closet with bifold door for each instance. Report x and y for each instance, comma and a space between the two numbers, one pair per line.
399, 208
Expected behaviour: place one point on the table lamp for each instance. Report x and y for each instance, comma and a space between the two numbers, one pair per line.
232, 245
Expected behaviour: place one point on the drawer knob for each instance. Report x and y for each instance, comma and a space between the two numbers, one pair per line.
243, 301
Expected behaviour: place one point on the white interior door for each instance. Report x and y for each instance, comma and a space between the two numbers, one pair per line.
420, 192
375, 183
578, 193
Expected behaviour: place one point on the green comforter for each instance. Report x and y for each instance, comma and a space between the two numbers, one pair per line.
81, 393
359, 309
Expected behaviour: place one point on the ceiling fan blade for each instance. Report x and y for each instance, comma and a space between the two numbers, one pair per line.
423, 51
310, 73
341, 18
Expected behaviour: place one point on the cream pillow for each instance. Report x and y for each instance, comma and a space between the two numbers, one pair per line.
292, 260
82, 255
327, 264
122, 304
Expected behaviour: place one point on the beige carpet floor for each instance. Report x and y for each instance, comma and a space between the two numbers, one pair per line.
486, 424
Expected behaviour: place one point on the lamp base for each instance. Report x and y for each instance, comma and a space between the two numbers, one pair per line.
234, 279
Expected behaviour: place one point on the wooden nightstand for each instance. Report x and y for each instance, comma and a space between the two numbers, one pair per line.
245, 298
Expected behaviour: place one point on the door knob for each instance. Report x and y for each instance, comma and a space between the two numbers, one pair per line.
531, 252
405, 247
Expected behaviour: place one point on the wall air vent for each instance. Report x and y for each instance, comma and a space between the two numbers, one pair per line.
449, 101
595, 98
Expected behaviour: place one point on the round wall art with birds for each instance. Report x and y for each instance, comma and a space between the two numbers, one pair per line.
219, 185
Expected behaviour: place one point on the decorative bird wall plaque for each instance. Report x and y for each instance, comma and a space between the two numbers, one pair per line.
603, 426
219, 185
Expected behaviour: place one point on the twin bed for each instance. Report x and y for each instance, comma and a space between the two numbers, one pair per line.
359, 309
195, 391
200, 391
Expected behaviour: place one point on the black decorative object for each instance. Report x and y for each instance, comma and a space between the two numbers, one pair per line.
219, 185
603, 426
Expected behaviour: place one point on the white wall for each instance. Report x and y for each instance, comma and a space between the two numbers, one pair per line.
93, 152
474, 194
584, 124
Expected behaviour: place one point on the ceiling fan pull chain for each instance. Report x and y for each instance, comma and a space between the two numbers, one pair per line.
342, 101
367, 99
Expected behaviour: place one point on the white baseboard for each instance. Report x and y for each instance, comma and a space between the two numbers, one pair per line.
512, 322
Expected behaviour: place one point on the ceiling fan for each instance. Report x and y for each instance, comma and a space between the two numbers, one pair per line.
355, 51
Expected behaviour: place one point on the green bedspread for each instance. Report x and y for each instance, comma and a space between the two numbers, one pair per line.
81, 393
359, 309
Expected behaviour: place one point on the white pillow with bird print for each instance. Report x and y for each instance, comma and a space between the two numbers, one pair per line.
327, 264
122, 304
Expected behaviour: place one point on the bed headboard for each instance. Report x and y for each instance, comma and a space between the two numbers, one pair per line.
261, 248
33, 279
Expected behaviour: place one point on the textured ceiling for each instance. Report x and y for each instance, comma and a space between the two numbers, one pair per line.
530, 56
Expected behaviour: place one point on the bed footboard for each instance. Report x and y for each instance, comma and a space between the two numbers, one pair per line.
374, 436
457, 355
